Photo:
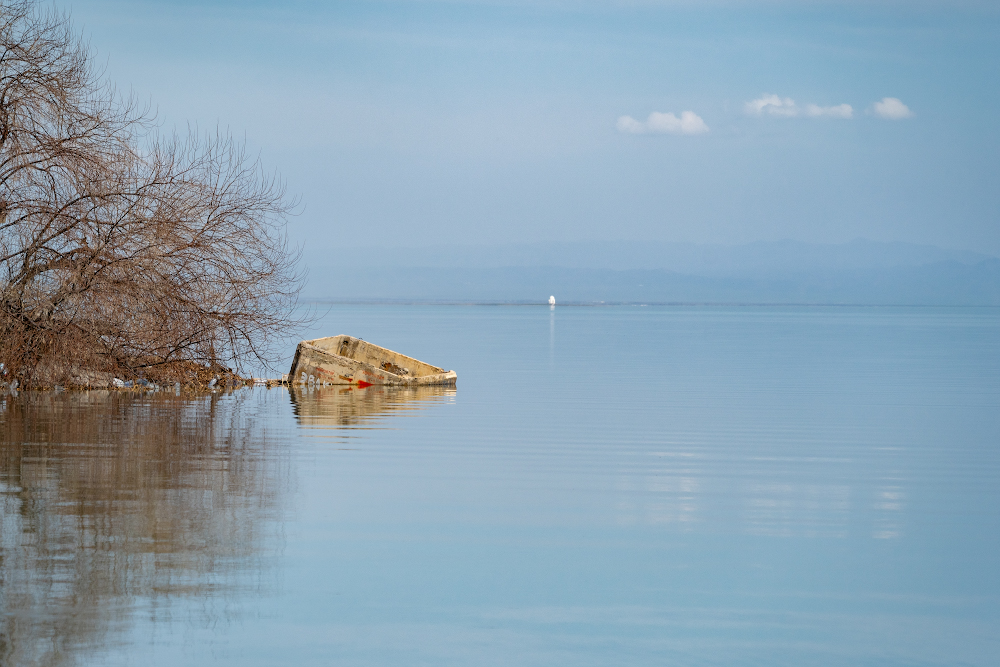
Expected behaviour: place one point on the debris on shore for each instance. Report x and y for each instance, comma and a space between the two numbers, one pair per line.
186, 377
334, 360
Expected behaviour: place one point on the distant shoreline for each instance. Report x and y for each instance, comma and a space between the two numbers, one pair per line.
636, 304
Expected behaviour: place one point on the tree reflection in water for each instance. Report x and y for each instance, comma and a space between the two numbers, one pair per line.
115, 502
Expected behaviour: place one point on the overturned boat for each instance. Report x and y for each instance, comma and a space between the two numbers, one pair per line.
348, 360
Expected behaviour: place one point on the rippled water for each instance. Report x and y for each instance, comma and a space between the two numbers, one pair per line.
606, 486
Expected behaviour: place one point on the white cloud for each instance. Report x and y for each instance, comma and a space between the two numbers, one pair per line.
664, 123
838, 111
631, 125
785, 107
773, 105
891, 108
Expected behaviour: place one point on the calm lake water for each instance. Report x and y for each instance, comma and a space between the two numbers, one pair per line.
606, 486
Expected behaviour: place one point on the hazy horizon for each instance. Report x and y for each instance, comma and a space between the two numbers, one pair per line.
674, 255
859, 272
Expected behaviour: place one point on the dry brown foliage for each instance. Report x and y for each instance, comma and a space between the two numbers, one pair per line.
123, 251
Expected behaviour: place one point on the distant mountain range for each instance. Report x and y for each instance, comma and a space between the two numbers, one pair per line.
859, 272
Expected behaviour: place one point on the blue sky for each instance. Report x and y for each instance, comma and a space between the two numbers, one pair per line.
427, 123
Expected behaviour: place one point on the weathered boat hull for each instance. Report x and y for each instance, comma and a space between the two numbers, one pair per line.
345, 360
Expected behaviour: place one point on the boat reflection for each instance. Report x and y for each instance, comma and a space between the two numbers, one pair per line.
111, 502
340, 407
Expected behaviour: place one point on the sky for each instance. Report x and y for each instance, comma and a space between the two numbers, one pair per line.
421, 123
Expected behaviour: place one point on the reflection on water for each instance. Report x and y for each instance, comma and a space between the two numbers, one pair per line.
112, 501
763, 496
700, 487
784, 510
114, 505
326, 407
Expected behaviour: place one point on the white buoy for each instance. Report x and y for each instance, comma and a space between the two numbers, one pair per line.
552, 301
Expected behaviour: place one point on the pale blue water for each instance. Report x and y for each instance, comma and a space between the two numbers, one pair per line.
606, 486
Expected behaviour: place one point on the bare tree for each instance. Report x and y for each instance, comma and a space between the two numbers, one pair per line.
122, 250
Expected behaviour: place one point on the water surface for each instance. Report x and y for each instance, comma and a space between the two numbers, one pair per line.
606, 486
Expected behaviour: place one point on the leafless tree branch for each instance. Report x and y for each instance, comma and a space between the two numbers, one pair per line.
122, 249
